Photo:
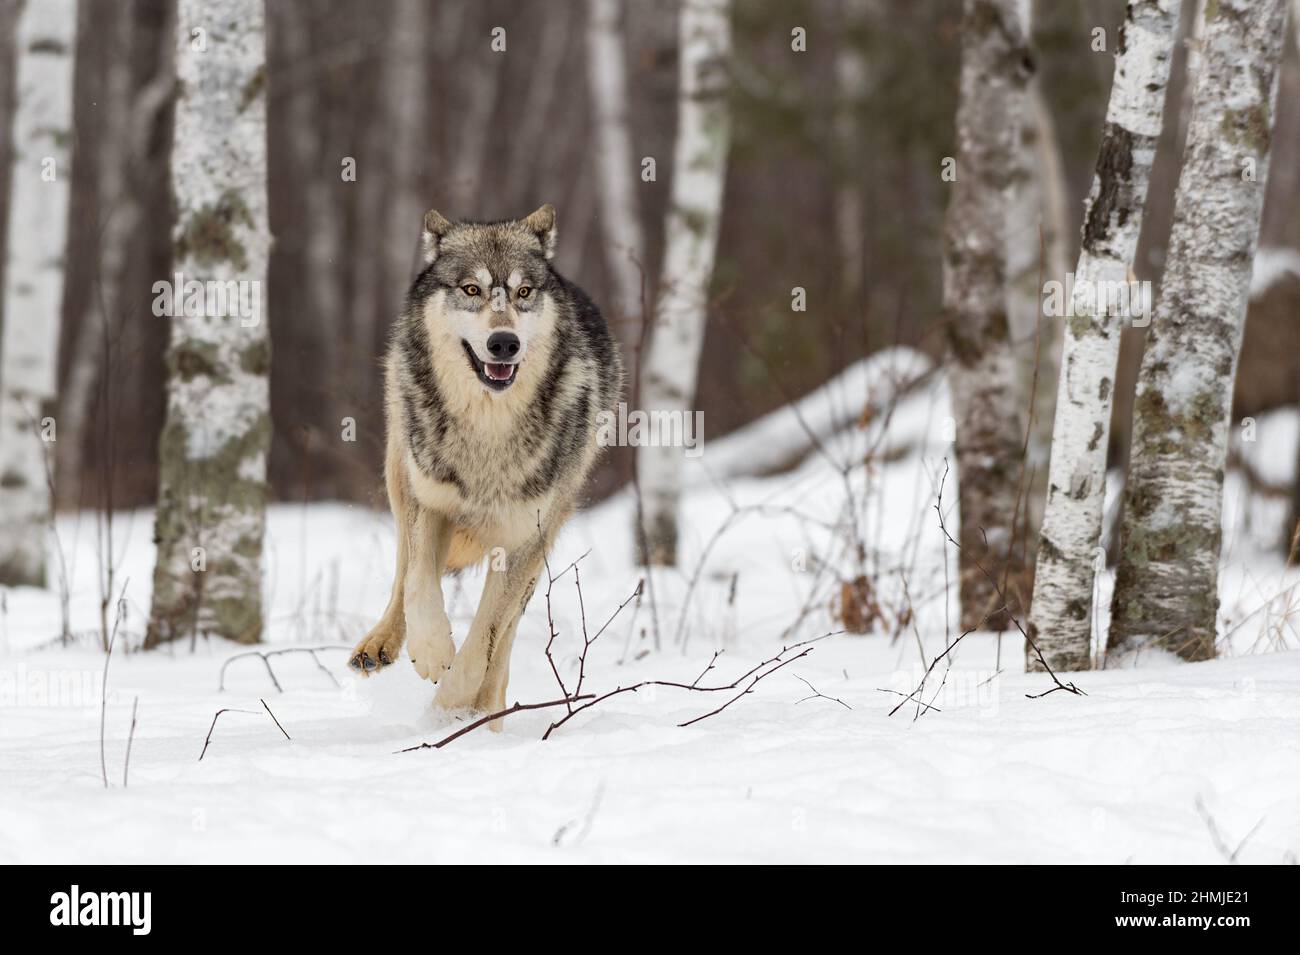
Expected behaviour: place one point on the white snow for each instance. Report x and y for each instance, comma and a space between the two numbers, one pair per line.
1272, 264
993, 776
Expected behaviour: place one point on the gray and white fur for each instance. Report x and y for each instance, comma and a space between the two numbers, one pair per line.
496, 374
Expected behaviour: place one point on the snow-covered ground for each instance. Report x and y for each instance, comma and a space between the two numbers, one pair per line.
1141, 769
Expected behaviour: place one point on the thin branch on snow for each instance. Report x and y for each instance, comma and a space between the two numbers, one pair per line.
920, 687
272, 715
207, 740
130, 738
576, 702
908, 696
917, 694
817, 694
103, 690
265, 655
484, 720
1002, 595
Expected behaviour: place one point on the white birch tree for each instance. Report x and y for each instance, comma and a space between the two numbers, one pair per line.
989, 429
617, 174
1166, 584
33, 295
694, 214
1036, 253
1060, 618
212, 482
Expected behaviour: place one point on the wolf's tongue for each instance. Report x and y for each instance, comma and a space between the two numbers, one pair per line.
499, 372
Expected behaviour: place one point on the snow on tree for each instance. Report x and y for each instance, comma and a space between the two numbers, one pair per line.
989, 422
1166, 585
212, 483
33, 293
694, 214
1060, 618
617, 174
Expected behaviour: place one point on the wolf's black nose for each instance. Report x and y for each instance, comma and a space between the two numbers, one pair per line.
503, 346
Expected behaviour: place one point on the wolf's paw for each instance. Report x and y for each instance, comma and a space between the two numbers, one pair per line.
376, 651
459, 689
492, 699
432, 649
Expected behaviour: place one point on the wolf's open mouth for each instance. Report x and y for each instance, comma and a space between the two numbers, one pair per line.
495, 375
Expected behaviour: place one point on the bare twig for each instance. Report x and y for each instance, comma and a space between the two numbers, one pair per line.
754, 675
208, 739
126, 765
908, 696
817, 694
749, 689
1001, 594
229, 709
272, 715
265, 655
103, 689
484, 720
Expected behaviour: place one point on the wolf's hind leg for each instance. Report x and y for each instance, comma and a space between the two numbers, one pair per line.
428, 631
381, 645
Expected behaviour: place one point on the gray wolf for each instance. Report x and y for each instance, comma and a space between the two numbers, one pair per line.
496, 376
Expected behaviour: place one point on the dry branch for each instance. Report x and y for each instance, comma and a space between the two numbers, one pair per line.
103, 690
1000, 591
576, 701
265, 655
208, 739
130, 738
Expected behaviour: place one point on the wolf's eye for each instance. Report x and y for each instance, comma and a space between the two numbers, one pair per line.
470, 290
524, 291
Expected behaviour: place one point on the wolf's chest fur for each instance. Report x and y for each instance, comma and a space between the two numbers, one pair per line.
488, 459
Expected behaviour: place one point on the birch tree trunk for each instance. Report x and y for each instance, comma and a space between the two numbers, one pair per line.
989, 419
1166, 585
1035, 255
617, 173
694, 214
212, 482
1060, 618
33, 294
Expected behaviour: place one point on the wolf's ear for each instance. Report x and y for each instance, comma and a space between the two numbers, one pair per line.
542, 224
435, 227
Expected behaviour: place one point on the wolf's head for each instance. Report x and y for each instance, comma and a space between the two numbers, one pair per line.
487, 291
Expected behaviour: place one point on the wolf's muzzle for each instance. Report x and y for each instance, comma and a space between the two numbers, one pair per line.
498, 376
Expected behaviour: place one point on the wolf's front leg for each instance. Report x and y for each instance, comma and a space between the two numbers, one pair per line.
428, 631
479, 674
382, 644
